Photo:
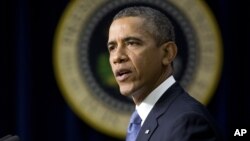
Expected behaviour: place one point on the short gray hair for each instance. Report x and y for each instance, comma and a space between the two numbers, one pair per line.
161, 26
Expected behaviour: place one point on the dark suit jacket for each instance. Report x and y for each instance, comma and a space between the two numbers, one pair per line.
178, 117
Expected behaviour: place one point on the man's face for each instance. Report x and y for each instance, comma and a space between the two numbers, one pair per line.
135, 59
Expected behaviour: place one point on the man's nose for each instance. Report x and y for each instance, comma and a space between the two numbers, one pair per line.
120, 56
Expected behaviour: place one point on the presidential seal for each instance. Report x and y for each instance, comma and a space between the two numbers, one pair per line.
81, 61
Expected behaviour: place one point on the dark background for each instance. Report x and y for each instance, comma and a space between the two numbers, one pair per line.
31, 104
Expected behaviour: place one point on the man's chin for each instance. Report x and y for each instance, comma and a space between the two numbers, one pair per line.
126, 92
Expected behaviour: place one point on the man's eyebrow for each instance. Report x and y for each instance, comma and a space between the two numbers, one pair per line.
132, 38
125, 40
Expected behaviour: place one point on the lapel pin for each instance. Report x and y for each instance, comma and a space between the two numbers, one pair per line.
147, 131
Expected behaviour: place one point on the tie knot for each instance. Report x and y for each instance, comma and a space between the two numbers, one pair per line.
135, 118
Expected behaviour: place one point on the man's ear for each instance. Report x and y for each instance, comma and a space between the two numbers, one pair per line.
169, 50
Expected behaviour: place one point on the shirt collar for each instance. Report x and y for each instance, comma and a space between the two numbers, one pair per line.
148, 103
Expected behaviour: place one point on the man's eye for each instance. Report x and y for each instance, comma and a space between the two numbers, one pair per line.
111, 48
132, 43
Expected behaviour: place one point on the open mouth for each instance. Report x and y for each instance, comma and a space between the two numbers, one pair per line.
122, 74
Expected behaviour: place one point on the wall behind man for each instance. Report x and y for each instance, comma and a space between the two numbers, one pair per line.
31, 104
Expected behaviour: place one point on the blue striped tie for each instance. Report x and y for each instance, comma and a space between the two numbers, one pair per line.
134, 127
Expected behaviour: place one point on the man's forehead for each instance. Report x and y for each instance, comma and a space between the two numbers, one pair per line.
127, 22
128, 25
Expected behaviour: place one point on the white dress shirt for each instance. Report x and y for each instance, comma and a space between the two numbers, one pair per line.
148, 103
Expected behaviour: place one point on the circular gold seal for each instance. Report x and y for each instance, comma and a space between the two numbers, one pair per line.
81, 58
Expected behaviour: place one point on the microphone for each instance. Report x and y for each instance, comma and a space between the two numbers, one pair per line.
10, 138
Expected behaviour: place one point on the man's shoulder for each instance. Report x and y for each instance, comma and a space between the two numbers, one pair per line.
177, 101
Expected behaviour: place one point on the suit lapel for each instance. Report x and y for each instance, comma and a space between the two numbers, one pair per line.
151, 122
147, 130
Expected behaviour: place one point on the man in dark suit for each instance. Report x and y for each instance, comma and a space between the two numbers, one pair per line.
142, 49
